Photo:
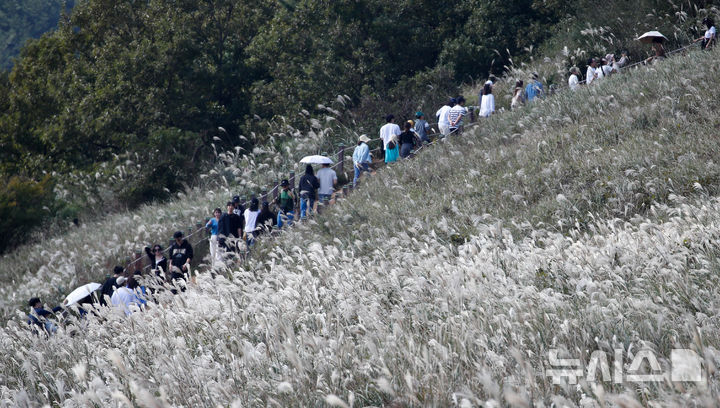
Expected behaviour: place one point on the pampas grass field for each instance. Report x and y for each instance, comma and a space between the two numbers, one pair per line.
588, 221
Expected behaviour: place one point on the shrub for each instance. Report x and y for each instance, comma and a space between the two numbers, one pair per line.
24, 204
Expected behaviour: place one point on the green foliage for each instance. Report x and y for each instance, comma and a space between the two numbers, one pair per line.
153, 81
22, 20
24, 204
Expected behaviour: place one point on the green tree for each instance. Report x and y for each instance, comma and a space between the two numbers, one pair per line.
21, 20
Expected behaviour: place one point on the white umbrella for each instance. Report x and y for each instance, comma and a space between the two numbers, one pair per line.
80, 293
316, 159
650, 36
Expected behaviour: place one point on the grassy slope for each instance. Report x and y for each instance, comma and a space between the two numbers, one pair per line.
52, 267
584, 222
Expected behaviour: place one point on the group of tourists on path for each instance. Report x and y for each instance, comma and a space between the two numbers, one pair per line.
234, 232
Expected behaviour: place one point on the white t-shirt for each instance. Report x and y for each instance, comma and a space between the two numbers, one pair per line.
590, 77
327, 177
710, 33
387, 131
250, 220
455, 112
487, 105
606, 70
442, 115
573, 82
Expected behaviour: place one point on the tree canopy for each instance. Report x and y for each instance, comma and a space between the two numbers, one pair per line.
155, 79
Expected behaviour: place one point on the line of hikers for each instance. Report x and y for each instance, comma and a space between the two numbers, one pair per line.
234, 232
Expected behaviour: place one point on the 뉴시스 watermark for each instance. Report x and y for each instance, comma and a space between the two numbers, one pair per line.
685, 367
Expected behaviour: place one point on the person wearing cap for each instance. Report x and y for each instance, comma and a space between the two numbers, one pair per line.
487, 101
574, 81
456, 115
252, 214
108, 287
443, 118
39, 316
181, 253
239, 208
328, 180
422, 127
286, 203
361, 158
126, 296
388, 130
534, 88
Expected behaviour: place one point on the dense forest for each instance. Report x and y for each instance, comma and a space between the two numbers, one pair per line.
22, 20
152, 82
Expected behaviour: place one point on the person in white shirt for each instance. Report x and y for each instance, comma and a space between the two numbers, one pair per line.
574, 81
328, 179
487, 102
442, 117
607, 65
389, 130
251, 216
708, 40
456, 116
125, 295
593, 73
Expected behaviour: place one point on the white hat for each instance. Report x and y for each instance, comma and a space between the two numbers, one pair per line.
121, 280
364, 138
488, 82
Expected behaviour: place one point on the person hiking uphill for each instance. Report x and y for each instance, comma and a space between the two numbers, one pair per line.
308, 191
443, 117
181, 253
407, 141
286, 204
387, 132
361, 158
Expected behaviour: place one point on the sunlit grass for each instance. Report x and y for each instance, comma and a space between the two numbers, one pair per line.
587, 221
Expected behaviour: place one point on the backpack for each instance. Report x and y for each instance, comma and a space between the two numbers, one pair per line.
391, 145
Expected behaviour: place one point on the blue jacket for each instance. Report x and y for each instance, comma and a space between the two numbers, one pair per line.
361, 154
533, 90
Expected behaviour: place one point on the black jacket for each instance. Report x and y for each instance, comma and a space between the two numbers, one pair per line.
179, 254
265, 221
154, 264
229, 224
107, 289
310, 184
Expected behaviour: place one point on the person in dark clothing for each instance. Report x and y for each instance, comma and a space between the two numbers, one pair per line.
239, 208
181, 253
230, 228
109, 286
308, 191
39, 316
158, 262
407, 141
266, 220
